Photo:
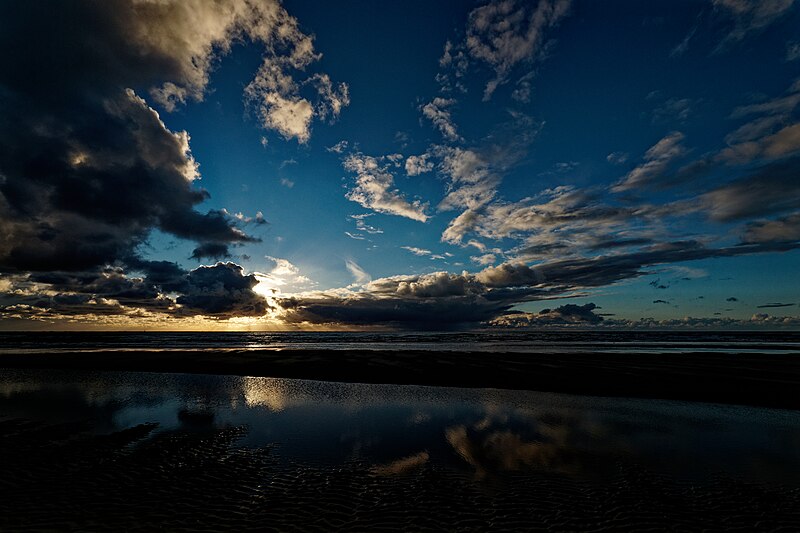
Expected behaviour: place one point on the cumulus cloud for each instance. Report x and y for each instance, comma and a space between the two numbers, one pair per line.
443, 299
88, 167
483, 260
374, 188
418, 164
161, 288
221, 291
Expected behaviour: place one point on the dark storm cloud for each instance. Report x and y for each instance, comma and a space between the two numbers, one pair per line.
776, 304
88, 168
569, 314
211, 250
441, 299
219, 291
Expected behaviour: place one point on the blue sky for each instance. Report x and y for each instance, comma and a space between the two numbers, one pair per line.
465, 136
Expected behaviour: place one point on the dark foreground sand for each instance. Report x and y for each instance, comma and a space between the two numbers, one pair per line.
61, 478
737, 378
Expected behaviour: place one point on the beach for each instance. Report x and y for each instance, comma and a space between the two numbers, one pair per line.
368, 432
725, 377
103, 451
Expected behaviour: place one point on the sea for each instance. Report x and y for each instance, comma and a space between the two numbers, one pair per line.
473, 341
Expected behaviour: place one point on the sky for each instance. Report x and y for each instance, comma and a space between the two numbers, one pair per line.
252, 164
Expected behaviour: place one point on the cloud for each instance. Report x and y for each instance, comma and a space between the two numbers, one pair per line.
657, 161
683, 46
163, 289
483, 260
222, 291
443, 299
570, 314
374, 188
210, 250
783, 229
338, 148
437, 112
774, 305
749, 17
361, 225
418, 164
89, 168
673, 110
617, 158
783, 142
556, 220
284, 274
792, 51
472, 178
359, 274
416, 251
113, 173
504, 34
770, 189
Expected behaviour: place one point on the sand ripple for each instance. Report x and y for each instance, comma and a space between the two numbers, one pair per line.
63, 477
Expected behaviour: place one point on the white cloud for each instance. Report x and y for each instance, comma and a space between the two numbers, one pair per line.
291, 117
416, 251
437, 112
374, 188
338, 148
418, 164
484, 260
505, 33
359, 274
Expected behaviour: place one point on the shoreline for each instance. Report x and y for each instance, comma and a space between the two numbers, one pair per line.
762, 380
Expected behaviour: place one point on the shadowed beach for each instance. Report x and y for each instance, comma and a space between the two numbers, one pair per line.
739, 378
104, 450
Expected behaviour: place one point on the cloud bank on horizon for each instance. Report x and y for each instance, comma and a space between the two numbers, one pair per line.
528, 154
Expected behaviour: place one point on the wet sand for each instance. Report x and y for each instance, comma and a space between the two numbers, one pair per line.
58, 478
767, 380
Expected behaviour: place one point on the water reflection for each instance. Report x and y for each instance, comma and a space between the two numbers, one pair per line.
396, 430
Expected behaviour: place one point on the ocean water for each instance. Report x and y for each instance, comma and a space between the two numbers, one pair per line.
479, 341
122, 450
